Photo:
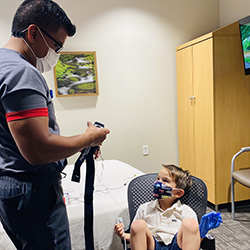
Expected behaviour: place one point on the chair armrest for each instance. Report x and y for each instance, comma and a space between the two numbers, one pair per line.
208, 243
243, 149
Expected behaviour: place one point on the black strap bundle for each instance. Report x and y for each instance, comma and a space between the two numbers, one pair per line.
88, 201
87, 154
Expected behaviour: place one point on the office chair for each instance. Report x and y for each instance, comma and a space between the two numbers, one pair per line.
241, 175
140, 190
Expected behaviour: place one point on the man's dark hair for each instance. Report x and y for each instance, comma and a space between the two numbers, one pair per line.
45, 14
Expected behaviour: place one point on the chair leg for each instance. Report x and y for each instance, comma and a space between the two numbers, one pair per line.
232, 196
208, 243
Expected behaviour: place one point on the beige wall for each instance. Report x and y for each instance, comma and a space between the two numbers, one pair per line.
135, 43
232, 10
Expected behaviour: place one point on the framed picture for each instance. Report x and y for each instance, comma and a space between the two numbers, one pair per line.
76, 74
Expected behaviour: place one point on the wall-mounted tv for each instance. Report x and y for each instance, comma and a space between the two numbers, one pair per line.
245, 42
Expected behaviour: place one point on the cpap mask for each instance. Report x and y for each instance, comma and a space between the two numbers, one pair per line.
162, 191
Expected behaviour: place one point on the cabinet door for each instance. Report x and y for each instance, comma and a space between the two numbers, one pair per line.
185, 109
204, 110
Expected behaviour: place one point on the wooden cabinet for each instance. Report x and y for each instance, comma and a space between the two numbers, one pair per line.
213, 110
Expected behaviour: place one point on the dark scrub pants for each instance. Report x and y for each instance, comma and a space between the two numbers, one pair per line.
32, 210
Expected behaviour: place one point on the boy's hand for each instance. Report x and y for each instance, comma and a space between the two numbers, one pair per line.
209, 221
119, 230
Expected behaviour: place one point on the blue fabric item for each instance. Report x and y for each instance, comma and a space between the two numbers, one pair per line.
209, 221
161, 190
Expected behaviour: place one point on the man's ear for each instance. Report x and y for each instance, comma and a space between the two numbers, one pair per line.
179, 192
32, 33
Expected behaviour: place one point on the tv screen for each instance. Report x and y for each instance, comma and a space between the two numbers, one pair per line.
245, 42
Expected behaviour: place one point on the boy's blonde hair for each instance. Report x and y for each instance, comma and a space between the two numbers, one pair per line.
181, 177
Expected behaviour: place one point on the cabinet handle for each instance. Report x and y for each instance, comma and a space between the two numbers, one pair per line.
193, 97
190, 97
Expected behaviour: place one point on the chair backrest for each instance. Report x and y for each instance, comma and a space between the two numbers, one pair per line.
140, 190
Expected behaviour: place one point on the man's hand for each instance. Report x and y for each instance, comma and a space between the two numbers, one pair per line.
96, 134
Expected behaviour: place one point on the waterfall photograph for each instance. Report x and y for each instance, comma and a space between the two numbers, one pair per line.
76, 74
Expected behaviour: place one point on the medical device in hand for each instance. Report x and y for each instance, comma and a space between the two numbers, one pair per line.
76, 176
120, 220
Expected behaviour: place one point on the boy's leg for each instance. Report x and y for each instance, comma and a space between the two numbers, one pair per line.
188, 237
140, 236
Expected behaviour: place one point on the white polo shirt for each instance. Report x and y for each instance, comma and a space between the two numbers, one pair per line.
164, 224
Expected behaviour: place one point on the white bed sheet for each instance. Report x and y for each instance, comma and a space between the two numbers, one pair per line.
110, 201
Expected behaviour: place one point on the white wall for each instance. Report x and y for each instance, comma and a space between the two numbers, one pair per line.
135, 43
232, 11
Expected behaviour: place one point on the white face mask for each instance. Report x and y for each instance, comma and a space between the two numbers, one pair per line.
46, 63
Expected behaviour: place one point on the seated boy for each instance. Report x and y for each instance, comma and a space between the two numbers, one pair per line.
165, 223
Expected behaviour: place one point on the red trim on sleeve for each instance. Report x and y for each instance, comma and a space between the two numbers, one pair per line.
12, 116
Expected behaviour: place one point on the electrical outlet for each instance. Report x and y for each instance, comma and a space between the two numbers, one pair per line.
145, 150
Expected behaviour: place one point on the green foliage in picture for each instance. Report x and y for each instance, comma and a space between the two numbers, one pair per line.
75, 74
245, 31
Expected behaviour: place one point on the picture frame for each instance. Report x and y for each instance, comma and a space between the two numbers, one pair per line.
75, 74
